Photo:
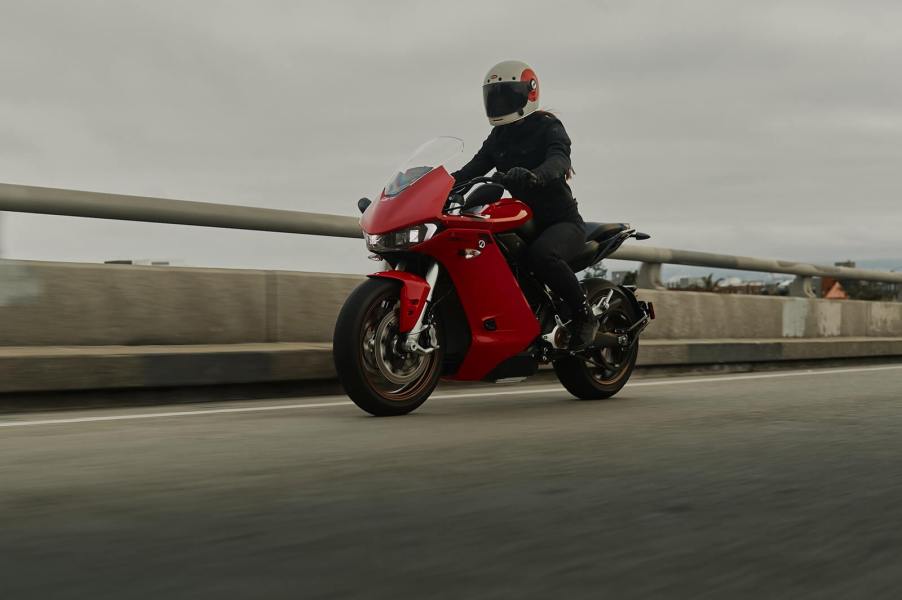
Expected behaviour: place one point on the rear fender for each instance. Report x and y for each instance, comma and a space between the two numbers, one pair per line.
414, 290
643, 308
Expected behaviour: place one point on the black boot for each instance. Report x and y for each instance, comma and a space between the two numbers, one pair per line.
583, 328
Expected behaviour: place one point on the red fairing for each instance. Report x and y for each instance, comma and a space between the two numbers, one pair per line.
490, 295
423, 201
414, 290
504, 215
501, 321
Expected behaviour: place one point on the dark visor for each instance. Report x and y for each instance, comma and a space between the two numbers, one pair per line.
505, 98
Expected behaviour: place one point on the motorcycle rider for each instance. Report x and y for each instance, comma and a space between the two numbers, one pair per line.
533, 150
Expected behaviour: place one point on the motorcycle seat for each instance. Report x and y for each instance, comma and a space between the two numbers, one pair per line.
598, 232
597, 235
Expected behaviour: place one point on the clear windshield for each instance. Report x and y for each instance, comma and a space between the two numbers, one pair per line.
429, 156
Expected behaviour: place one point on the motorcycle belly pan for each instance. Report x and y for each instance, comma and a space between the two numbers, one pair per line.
488, 292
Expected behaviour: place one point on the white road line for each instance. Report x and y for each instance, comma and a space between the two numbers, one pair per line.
183, 413
516, 392
806, 372
680, 381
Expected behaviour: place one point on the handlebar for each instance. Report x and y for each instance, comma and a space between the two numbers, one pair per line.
456, 197
496, 177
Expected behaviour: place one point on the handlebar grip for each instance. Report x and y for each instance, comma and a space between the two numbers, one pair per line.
498, 177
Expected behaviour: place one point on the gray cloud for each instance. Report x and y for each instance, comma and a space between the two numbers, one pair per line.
765, 128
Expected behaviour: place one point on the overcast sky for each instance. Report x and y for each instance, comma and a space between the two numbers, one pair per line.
759, 128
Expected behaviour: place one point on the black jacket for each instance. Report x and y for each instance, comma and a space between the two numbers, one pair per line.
538, 143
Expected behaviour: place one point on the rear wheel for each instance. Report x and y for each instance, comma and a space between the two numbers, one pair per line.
602, 372
377, 373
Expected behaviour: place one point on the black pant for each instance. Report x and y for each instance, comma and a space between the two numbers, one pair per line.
548, 256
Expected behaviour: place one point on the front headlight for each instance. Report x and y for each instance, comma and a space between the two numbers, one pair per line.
400, 239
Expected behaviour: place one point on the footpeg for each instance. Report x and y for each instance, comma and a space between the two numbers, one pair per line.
559, 337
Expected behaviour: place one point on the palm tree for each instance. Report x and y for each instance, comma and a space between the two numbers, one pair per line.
709, 283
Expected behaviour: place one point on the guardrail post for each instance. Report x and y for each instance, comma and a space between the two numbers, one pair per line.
649, 276
802, 287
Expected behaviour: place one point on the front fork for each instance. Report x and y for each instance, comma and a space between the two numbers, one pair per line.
412, 344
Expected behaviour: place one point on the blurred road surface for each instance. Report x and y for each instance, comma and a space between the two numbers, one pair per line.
775, 485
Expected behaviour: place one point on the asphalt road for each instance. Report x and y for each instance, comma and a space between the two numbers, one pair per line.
780, 485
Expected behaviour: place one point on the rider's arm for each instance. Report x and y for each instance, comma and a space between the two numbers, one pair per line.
557, 155
479, 165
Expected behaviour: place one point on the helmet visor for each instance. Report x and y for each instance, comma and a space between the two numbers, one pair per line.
505, 98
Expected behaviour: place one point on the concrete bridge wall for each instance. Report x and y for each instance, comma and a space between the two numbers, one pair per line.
75, 326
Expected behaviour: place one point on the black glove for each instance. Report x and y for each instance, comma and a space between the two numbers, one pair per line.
519, 178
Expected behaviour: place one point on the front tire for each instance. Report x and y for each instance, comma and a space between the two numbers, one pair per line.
586, 380
372, 367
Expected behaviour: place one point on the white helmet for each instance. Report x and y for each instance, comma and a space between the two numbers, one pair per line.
510, 91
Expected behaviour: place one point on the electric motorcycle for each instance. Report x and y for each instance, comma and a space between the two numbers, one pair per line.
457, 299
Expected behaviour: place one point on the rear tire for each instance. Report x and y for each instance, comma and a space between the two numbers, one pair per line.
377, 376
587, 381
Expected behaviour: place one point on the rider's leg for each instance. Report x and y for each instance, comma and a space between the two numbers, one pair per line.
548, 256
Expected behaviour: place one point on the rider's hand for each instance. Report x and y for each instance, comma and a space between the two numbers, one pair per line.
520, 178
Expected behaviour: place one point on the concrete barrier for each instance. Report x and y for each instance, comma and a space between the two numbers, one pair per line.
70, 326
72, 304
698, 315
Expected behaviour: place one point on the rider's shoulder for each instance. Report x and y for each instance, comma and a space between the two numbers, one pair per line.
548, 118
549, 124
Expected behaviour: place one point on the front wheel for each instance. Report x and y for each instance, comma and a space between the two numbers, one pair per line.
607, 369
377, 373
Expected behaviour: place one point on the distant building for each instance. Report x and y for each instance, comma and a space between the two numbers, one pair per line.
686, 283
731, 284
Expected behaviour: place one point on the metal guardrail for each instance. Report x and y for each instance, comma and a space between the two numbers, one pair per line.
72, 203
53, 201
655, 255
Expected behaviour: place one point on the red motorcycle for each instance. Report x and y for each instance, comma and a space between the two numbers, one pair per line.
460, 302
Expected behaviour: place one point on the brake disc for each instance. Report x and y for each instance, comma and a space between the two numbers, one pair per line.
394, 364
